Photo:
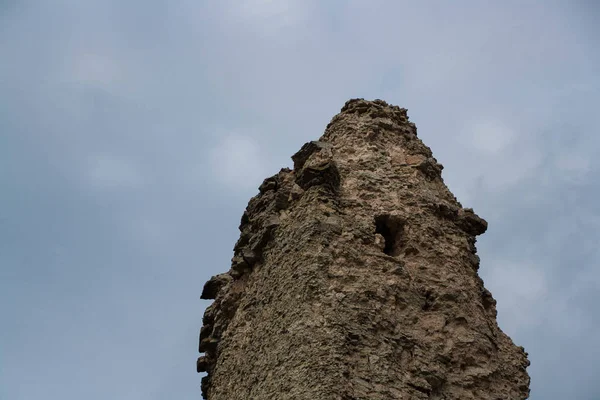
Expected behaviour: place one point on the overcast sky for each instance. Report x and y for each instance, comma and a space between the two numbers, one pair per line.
133, 133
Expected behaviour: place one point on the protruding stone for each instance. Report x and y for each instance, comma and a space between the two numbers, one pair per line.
205, 332
272, 222
205, 385
250, 257
445, 210
325, 173
214, 285
202, 364
296, 192
306, 151
282, 199
208, 344
238, 263
243, 240
209, 315
268, 184
471, 223
430, 168
244, 221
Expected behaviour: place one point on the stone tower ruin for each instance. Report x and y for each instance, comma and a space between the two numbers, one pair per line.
355, 277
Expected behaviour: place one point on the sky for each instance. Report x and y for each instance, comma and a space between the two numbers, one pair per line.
133, 134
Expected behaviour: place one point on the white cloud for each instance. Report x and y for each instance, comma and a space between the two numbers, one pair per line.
147, 231
489, 136
563, 316
254, 8
497, 155
268, 17
513, 168
94, 69
527, 302
522, 289
237, 162
109, 172
266, 9
573, 165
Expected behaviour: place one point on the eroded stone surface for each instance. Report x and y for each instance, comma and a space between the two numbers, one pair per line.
355, 277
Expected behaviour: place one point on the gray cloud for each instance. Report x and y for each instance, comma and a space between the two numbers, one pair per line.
119, 198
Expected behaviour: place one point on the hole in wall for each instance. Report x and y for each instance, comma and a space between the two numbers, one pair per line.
391, 228
429, 300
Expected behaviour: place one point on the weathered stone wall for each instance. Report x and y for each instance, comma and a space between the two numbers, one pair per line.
355, 277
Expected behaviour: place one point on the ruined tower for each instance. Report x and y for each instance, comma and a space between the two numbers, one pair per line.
355, 277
